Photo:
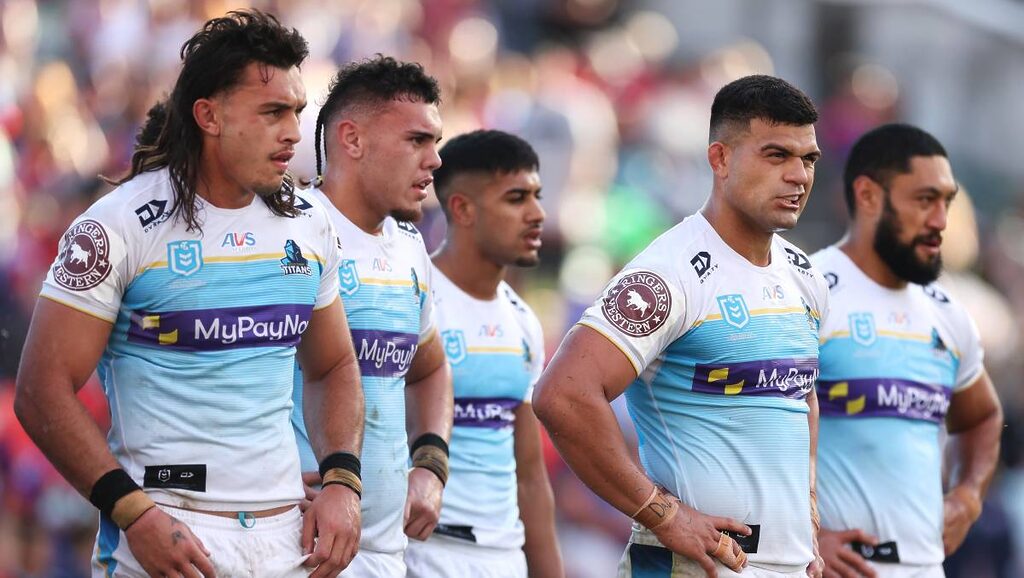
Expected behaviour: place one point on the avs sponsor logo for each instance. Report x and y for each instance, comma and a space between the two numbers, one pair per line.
184, 257
214, 329
862, 328
899, 318
638, 304
832, 279
294, 263
884, 398
935, 294
381, 264
791, 378
773, 294
485, 412
487, 330
84, 258
349, 277
409, 229
152, 214
734, 310
384, 353
454, 342
239, 241
702, 266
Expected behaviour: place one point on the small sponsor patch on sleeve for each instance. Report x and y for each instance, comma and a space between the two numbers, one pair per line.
84, 258
639, 304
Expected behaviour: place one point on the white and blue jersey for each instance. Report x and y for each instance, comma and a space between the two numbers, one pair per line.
891, 360
198, 368
496, 351
725, 354
384, 283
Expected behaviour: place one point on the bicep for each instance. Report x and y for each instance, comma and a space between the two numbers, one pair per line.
326, 343
587, 363
63, 347
972, 405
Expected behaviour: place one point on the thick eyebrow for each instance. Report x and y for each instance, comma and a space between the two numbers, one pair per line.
424, 134
281, 105
814, 155
522, 191
939, 192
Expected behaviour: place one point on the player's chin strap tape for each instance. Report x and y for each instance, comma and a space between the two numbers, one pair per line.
119, 498
430, 452
658, 509
342, 468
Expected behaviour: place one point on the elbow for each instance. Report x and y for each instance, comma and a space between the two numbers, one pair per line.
551, 405
24, 406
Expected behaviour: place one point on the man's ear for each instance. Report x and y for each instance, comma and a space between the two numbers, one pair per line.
719, 155
207, 115
351, 139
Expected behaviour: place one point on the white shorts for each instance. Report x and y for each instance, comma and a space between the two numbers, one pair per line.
370, 564
446, 557
270, 547
907, 571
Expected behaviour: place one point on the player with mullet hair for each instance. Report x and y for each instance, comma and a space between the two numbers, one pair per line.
899, 357
712, 333
194, 297
379, 127
498, 504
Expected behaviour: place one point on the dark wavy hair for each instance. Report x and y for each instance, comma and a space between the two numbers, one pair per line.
213, 61
372, 83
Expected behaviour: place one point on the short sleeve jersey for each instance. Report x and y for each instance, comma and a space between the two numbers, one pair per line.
496, 351
891, 360
198, 367
725, 353
385, 285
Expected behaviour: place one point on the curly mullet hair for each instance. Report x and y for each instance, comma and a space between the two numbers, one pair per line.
213, 61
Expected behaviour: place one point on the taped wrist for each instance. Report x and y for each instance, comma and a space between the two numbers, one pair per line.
345, 478
430, 452
341, 460
657, 510
119, 498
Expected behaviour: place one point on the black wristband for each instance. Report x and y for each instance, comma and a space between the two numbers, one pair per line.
429, 439
344, 460
111, 487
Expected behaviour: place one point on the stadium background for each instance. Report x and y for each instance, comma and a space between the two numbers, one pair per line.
615, 96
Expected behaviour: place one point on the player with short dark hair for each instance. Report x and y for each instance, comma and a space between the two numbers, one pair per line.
899, 357
192, 286
712, 333
379, 127
498, 514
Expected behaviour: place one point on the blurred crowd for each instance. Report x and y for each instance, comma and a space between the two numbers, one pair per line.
605, 90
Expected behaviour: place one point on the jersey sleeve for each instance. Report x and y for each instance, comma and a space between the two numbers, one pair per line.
92, 267
641, 312
535, 352
971, 353
329, 288
428, 322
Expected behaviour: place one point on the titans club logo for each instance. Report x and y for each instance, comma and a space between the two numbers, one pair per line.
84, 259
638, 304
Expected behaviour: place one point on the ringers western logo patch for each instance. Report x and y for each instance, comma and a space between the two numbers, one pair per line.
84, 260
638, 304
